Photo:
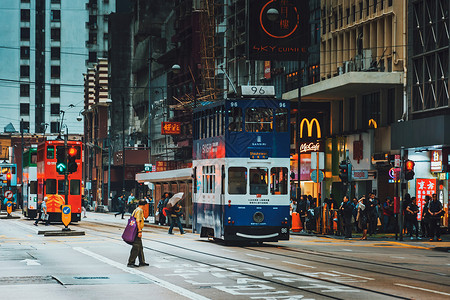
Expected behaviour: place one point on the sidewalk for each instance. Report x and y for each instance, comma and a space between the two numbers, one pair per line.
444, 245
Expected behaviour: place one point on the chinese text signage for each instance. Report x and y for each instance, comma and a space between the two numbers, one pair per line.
424, 187
436, 161
170, 128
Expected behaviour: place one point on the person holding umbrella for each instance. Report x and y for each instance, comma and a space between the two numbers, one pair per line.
175, 212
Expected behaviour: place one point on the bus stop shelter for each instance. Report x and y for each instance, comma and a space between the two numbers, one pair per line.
173, 181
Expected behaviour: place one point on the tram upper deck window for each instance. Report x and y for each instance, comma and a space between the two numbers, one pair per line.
50, 186
235, 119
50, 152
237, 180
281, 120
258, 181
258, 119
278, 182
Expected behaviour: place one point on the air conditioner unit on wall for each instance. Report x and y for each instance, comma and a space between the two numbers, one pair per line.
349, 66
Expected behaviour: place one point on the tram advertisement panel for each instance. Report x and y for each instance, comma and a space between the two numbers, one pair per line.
213, 147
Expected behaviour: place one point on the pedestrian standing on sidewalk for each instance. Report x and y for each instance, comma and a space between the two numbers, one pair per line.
388, 215
362, 216
435, 210
346, 211
411, 218
137, 251
161, 204
372, 214
425, 222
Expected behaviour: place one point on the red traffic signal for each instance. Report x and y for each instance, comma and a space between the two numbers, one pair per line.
8, 176
409, 165
72, 151
409, 169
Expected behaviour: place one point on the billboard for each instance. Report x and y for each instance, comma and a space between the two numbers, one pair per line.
277, 29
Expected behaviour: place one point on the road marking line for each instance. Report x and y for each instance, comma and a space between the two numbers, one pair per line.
347, 250
257, 256
422, 289
351, 275
399, 257
167, 285
293, 263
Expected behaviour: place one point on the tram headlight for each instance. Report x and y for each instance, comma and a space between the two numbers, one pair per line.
258, 217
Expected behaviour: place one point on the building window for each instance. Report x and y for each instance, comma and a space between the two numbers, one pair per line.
353, 13
24, 34
24, 71
54, 109
92, 56
375, 6
24, 90
54, 127
391, 106
371, 109
360, 10
24, 109
55, 53
55, 71
25, 15
25, 126
24, 52
55, 15
93, 38
56, 1
25, 1
389, 2
55, 91
367, 7
55, 34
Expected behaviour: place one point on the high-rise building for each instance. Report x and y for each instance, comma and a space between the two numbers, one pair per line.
44, 51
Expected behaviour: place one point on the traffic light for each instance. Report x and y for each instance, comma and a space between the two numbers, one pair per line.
409, 169
72, 164
343, 171
8, 179
61, 165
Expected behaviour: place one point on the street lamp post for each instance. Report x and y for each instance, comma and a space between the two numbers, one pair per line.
109, 102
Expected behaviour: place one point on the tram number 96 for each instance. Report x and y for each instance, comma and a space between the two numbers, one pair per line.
258, 90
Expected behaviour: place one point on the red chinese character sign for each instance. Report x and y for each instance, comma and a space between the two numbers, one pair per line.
277, 29
424, 187
168, 128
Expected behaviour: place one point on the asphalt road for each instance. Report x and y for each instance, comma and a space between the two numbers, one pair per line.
93, 266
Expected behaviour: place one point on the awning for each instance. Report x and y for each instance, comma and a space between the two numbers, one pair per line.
432, 131
165, 176
347, 85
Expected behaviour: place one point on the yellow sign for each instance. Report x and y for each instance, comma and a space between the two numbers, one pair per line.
309, 125
9, 206
66, 214
373, 123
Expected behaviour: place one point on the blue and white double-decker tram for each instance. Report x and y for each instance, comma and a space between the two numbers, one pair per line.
241, 169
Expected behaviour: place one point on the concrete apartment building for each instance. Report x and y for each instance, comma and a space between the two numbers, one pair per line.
44, 54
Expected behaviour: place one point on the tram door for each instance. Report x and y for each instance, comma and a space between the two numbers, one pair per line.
222, 199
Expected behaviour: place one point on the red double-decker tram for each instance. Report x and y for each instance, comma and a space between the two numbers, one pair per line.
51, 166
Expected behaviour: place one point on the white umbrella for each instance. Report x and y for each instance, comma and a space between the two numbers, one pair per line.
174, 200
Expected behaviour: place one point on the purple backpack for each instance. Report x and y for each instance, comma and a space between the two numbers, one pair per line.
130, 232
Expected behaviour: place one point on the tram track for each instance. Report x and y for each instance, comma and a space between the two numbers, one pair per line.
378, 264
98, 231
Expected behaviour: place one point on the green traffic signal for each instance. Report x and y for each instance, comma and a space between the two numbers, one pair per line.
61, 168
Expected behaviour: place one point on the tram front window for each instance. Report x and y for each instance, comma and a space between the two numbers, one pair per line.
279, 184
258, 119
237, 180
235, 119
258, 181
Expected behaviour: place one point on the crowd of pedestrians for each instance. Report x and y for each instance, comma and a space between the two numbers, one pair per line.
368, 216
